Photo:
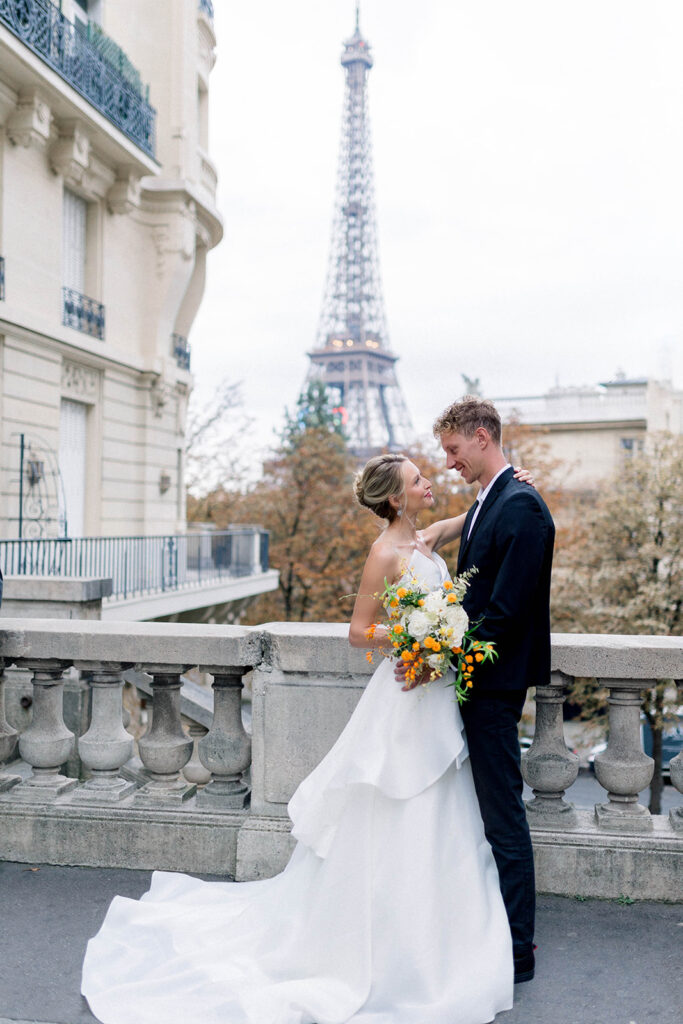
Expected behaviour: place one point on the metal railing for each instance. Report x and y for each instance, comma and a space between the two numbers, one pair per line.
181, 351
142, 565
82, 313
42, 27
207, 7
2, 278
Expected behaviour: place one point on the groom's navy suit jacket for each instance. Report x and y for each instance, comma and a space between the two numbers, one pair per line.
511, 546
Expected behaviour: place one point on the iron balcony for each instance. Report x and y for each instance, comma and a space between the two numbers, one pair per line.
42, 27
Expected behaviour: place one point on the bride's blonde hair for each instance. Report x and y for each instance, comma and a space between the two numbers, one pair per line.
381, 478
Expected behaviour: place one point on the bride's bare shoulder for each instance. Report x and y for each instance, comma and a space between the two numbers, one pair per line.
383, 554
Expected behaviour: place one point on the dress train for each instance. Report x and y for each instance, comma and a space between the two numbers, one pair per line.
389, 911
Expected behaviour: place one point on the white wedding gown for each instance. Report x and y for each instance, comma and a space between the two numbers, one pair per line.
389, 911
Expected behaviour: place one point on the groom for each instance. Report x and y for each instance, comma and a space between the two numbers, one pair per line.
508, 536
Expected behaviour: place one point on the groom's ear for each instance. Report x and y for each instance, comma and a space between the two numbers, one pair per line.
483, 437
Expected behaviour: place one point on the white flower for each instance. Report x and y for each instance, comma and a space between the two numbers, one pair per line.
456, 619
419, 624
435, 603
435, 660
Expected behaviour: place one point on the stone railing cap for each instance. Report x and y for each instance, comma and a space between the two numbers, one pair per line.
56, 588
297, 647
616, 656
139, 642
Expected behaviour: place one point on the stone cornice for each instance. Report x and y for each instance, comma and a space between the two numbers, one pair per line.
171, 195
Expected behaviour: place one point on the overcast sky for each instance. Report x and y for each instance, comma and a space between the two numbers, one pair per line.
529, 183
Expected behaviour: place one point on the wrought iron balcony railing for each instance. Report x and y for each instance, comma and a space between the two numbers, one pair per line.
2, 278
140, 566
207, 7
82, 313
181, 351
42, 27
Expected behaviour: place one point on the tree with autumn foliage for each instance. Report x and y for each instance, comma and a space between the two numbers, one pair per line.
624, 573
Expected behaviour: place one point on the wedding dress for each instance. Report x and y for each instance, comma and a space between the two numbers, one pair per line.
389, 911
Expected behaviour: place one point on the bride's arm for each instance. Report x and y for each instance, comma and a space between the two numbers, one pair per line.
446, 530
443, 532
382, 564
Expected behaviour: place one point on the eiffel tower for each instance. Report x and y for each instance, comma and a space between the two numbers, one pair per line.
352, 354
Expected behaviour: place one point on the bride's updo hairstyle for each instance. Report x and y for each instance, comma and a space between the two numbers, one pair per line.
380, 479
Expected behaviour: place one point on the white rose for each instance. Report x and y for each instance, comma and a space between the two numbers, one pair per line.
419, 624
435, 603
456, 619
435, 660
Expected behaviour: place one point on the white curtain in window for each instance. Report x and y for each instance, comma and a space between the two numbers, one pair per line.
72, 465
73, 241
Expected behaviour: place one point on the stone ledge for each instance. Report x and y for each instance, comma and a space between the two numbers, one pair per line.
614, 656
583, 861
145, 643
312, 648
56, 588
586, 861
264, 846
166, 840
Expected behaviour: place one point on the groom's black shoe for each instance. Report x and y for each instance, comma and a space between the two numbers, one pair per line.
524, 967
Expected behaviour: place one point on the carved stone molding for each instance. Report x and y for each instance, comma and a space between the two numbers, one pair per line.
79, 381
70, 153
206, 47
175, 237
30, 123
98, 179
8, 101
203, 235
182, 397
124, 194
160, 393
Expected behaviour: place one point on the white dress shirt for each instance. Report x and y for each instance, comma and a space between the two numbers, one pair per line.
483, 494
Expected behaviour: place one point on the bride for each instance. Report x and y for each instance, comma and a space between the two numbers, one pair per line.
389, 911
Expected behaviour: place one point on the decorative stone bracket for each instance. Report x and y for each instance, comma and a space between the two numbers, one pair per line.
30, 123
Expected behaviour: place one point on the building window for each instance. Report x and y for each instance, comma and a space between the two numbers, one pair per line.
630, 446
74, 235
203, 117
72, 466
83, 11
78, 310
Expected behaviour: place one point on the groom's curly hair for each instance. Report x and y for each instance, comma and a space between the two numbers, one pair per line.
466, 416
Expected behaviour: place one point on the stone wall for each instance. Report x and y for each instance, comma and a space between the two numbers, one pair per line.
305, 682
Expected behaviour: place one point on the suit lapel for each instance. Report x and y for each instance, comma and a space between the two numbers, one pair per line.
491, 499
465, 531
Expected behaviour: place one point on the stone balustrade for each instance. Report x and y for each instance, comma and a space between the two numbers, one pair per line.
227, 812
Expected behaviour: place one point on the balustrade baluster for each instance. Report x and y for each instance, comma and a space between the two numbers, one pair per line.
47, 743
623, 769
226, 750
549, 767
676, 770
106, 746
194, 770
165, 748
8, 738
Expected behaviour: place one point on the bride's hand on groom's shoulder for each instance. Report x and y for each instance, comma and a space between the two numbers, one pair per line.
524, 476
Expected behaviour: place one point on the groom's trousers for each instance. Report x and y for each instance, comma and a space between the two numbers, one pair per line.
491, 721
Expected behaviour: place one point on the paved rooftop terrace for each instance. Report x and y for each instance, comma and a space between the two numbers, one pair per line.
598, 962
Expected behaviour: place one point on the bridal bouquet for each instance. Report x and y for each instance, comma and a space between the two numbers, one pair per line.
431, 629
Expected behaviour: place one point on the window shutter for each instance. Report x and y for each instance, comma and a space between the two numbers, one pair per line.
73, 241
